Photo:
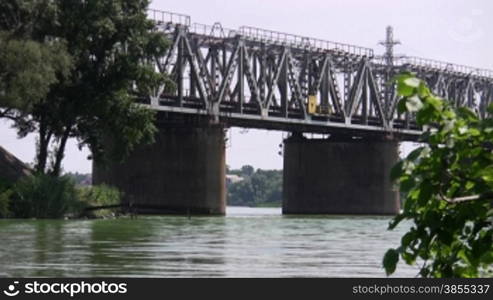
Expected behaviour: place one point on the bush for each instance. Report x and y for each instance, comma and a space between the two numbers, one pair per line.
43, 196
5, 203
98, 196
4, 184
5, 193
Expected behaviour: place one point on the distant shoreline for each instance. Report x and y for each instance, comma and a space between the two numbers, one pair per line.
261, 205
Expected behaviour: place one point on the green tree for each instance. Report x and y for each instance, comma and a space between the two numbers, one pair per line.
247, 170
449, 184
257, 187
241, 193
111, 45
29, 63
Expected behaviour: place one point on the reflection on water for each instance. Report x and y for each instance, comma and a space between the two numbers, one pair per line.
248, 242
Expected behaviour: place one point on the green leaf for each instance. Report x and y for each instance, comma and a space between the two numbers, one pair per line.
406, 85
413, 194
425, 192
412, 82
408, 238
397, 171
413, 104
409, 258
487, 258
474, 132
448, 125
435, 102
462, 130
395, 221
449, 114
445, 237
401, 106
409, 205
423, 90
467, 114
390, 261
415, 153
407, 184
405, 90
424, 116
487, 174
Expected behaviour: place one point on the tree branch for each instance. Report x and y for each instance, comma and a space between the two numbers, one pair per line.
8, 114
485, 196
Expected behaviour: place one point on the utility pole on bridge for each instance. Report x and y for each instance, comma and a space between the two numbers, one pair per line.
388, 58
389, 44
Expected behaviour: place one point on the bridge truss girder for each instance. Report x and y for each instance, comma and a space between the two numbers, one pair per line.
221, 75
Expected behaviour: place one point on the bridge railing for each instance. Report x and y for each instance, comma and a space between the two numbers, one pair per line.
444, 66
162, 17
282, 38
216, 30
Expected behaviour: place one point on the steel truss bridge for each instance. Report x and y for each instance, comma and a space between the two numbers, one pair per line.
257, 78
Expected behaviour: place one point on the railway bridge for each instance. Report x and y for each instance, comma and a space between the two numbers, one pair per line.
256, 78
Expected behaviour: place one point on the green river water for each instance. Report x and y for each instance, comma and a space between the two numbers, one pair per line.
247, 242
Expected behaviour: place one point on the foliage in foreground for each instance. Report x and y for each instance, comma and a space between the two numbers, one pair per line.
42, 196
449, 184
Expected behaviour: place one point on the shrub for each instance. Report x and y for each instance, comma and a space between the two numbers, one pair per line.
98, 196
43, 196
5, 203
5, 193
4, 184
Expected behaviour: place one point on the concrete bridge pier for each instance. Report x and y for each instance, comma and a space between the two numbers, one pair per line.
183, 172
339, 176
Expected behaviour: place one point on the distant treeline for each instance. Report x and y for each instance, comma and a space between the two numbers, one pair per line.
80, 178
256, 187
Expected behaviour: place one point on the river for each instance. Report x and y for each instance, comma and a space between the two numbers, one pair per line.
247, 242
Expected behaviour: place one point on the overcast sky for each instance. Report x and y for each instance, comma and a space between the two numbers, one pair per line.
449, 30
